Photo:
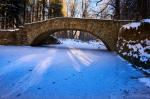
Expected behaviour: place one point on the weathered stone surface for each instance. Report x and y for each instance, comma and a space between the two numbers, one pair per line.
134, 45
106, 30
13, 37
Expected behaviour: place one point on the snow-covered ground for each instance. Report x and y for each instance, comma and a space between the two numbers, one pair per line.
68, 72
72, 43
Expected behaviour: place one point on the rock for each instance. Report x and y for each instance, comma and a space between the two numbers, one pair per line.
133, 43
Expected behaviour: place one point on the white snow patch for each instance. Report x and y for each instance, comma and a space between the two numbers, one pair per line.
146, 81
132, 25
147, 42
137, 50
9, 30
129, 64
135, 24
80, 44
146, 20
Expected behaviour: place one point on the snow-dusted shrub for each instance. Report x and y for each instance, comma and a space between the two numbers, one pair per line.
134, 43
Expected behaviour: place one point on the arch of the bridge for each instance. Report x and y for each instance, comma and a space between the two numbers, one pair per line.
106, 30
43, 36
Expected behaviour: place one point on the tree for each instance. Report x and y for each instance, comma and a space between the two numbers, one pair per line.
135, 9
12, 11
143, 6
106, 9
56, 8
117, 9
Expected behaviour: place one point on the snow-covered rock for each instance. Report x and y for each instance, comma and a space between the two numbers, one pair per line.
134, 42
135, 25
132, 25
146, 20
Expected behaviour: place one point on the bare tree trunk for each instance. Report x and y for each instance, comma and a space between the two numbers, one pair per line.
117, 9
37, 12
143, 8
43, 10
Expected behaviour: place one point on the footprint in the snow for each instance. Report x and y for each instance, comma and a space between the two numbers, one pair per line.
66, 78
30, 70
13, 84
39, 88
19, 82
19, 94
73, 75
126, 92
53, 82
134, 77
80, 72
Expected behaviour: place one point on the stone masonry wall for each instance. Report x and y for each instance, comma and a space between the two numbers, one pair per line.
134, 43
15, 37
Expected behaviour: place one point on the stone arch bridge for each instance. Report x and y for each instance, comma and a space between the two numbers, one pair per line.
106, 30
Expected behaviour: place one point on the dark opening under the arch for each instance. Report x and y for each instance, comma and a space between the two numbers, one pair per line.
52, 37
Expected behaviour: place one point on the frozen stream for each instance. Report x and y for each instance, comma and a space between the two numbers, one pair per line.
67, 72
